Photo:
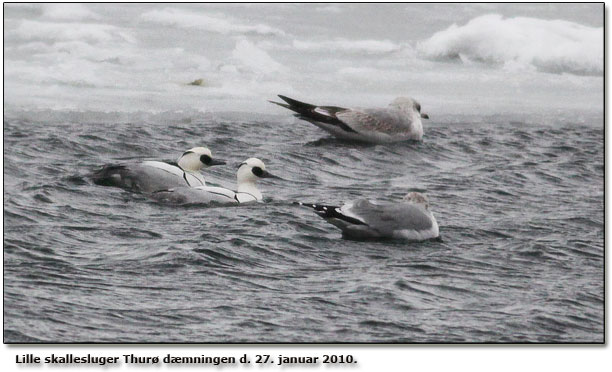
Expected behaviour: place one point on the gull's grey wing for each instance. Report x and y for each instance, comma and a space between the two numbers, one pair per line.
363, 219
387, 218
388, 121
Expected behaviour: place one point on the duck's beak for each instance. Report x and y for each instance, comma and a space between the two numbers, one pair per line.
424, 116
267, 174
215, 162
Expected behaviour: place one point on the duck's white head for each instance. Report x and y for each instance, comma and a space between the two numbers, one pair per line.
417, 198
408, 104
197, 158
249, 171
252, 169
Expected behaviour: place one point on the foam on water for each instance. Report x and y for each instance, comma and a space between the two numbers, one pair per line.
520, 42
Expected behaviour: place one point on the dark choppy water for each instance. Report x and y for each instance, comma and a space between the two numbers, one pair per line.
519, 204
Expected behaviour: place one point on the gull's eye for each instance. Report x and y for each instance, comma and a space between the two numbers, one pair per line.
257, 171
205, 159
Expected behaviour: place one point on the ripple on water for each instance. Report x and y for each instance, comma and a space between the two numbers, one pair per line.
520, 260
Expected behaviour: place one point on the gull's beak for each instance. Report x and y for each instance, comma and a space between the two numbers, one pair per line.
215, 162
424, 116
267, 174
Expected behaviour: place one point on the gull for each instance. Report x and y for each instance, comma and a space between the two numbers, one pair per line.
410, 219
400, 121
249, 172
150, 176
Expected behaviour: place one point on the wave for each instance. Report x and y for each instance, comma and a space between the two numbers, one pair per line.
248, 55
68, 12
59, 31
349, 46
547, 45
214, 23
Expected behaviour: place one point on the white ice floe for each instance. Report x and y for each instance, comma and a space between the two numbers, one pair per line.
212, 22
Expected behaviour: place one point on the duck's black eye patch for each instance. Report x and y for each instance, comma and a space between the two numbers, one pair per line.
257, 171
418, 107
205, 159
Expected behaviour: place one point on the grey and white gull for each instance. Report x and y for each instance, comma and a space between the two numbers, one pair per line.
249, 172
151, 176
410, 219
400, 121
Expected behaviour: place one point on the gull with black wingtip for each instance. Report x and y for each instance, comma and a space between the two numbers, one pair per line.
410, 219
400, 121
